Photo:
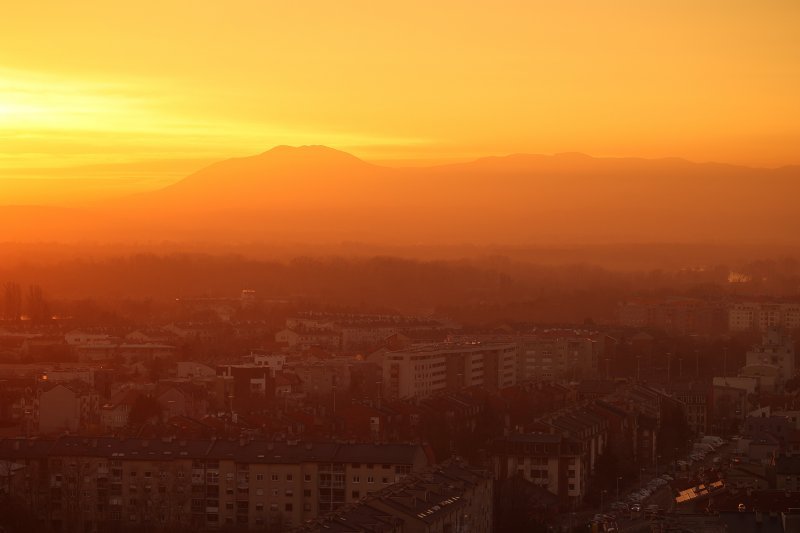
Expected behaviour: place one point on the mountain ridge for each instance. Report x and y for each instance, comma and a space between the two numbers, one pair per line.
317, 193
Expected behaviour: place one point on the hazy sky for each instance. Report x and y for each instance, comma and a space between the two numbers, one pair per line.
170, 84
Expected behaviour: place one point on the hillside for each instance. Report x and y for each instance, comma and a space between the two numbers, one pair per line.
318, 194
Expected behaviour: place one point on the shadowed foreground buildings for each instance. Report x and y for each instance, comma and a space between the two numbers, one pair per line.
103, 484
449, 498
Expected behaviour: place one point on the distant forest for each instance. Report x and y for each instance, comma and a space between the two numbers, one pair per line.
476, 291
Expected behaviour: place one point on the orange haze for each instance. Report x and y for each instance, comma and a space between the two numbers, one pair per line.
101, 100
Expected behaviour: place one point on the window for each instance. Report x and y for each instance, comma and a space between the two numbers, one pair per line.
356, 494
259, 507
259, 477
289, 493
572, 486
259, 492
370, 479
229, 506
287, 507
385, 480
356, 479
274, 477
288, 477
355, 465
307, 478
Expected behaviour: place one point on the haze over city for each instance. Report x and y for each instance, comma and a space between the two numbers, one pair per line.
426, 267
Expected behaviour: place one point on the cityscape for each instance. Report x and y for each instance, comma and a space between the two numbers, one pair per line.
378, 268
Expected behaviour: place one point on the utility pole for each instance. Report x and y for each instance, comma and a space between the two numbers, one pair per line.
725, 362
669, 364
697, 362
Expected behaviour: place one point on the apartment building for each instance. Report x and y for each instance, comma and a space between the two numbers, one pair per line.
102, 483
557, 356
696, 398
776, 350
69, 406
551, 461
425, 370
762, 316
676, 315
552, 353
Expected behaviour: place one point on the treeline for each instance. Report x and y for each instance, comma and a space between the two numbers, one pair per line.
29, 303
473, 290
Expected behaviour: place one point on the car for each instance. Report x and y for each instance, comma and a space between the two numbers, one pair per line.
622, 506
636, 508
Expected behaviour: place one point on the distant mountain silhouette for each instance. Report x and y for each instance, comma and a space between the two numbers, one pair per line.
305, 176
318, 194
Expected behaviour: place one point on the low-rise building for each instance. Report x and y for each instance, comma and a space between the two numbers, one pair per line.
69, 407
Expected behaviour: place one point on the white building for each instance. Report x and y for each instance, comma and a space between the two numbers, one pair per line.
425, 370
275, 362
763, 316
777, 350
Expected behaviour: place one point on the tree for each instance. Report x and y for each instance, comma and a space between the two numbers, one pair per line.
792, 384
12, 301
674, 433
38, 308
520, 506
144, 409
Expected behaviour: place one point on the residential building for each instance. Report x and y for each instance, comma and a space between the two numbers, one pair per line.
776, 350
69, 406
763, 316
106, 483
425, 370
552, 461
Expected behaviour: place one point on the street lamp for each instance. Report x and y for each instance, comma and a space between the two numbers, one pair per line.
602, 493
618, 480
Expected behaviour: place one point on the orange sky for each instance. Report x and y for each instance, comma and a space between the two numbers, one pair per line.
133, 95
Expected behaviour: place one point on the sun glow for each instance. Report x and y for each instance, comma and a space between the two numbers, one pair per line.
99, 83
